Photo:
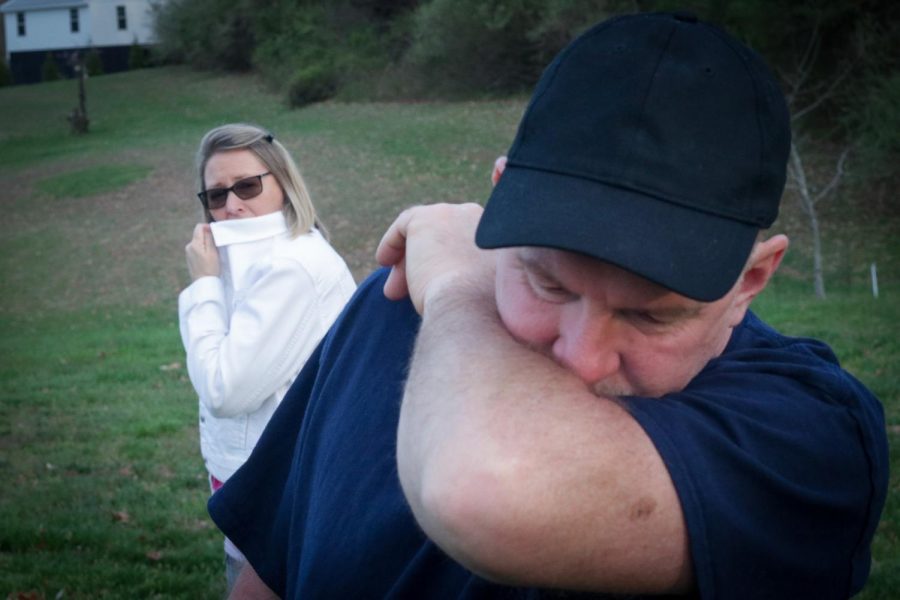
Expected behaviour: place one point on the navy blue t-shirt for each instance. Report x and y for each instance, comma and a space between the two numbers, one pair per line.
779, 458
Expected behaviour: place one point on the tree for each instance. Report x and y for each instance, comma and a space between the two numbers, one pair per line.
811, 193
811, 88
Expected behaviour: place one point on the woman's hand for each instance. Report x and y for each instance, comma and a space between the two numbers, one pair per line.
202, 256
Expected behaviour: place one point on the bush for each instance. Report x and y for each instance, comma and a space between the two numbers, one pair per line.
50, 70
876, 121
474, 46
93, 62
308, 48
319, 49
469, 46
311, 84
5, 74
137, 56
211, 34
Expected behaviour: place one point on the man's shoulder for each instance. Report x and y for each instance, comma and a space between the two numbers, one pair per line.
370, 320
773, 409
792, 379
755, 340
369, 299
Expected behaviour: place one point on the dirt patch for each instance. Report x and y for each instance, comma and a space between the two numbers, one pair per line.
126, 246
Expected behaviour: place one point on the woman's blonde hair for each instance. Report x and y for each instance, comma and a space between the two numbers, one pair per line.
299, 211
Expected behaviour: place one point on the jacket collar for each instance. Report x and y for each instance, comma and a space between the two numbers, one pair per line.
238, 231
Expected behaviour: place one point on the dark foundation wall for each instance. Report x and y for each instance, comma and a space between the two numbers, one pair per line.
26, 66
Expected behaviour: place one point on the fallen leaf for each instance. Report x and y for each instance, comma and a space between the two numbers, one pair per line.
170, 367
121, 516
155, 555
126, 471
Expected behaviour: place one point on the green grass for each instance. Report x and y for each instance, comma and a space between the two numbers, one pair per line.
92, 180
104, 487
105, 491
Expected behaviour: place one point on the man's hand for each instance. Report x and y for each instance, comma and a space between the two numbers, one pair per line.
202, 256
430, 247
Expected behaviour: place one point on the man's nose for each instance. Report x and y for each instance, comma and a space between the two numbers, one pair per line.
587, 346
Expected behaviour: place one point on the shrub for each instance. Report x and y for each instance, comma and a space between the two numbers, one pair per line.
468, 46
314, 83
211, 34
50, 70
474, 46
300, 48
876, 121
5, 74
137, 56
307, 48
93, 62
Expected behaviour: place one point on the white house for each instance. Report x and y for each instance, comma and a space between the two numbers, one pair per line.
35, 27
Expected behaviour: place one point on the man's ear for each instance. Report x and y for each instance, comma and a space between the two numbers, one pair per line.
764, 260
499, 166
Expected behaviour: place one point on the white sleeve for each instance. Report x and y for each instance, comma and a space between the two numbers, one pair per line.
275, 328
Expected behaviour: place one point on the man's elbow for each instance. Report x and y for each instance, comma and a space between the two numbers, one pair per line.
469, 513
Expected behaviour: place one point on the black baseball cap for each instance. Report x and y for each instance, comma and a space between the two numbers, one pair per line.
655, 142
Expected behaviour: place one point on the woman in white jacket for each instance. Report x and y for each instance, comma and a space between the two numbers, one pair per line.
266, 286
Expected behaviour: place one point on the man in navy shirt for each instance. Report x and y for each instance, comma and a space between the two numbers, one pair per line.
579, 400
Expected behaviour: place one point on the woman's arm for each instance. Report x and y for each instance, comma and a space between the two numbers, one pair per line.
250, 587
236, 365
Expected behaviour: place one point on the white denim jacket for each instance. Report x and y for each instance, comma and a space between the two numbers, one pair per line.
249, 332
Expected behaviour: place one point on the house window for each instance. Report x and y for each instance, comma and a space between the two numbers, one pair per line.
73, 20
120, 17
20, 23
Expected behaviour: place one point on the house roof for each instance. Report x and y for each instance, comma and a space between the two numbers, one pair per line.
30, 5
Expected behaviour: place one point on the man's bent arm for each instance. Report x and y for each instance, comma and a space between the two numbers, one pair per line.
520, 473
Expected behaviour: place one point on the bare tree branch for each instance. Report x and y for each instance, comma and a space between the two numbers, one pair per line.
836, 179
798, 175
829, 91
807, 59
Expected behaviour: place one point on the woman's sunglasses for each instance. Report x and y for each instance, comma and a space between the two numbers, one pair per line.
249, 187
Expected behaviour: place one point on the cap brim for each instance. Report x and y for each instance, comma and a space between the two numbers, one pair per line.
696, 254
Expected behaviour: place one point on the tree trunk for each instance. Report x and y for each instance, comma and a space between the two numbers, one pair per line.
818, 276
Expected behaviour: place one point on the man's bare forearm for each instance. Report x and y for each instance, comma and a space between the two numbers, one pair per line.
514, 468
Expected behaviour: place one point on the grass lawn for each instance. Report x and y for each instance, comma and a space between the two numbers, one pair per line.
104, 486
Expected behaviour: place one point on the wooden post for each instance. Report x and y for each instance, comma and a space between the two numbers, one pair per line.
82, 72
78, 118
